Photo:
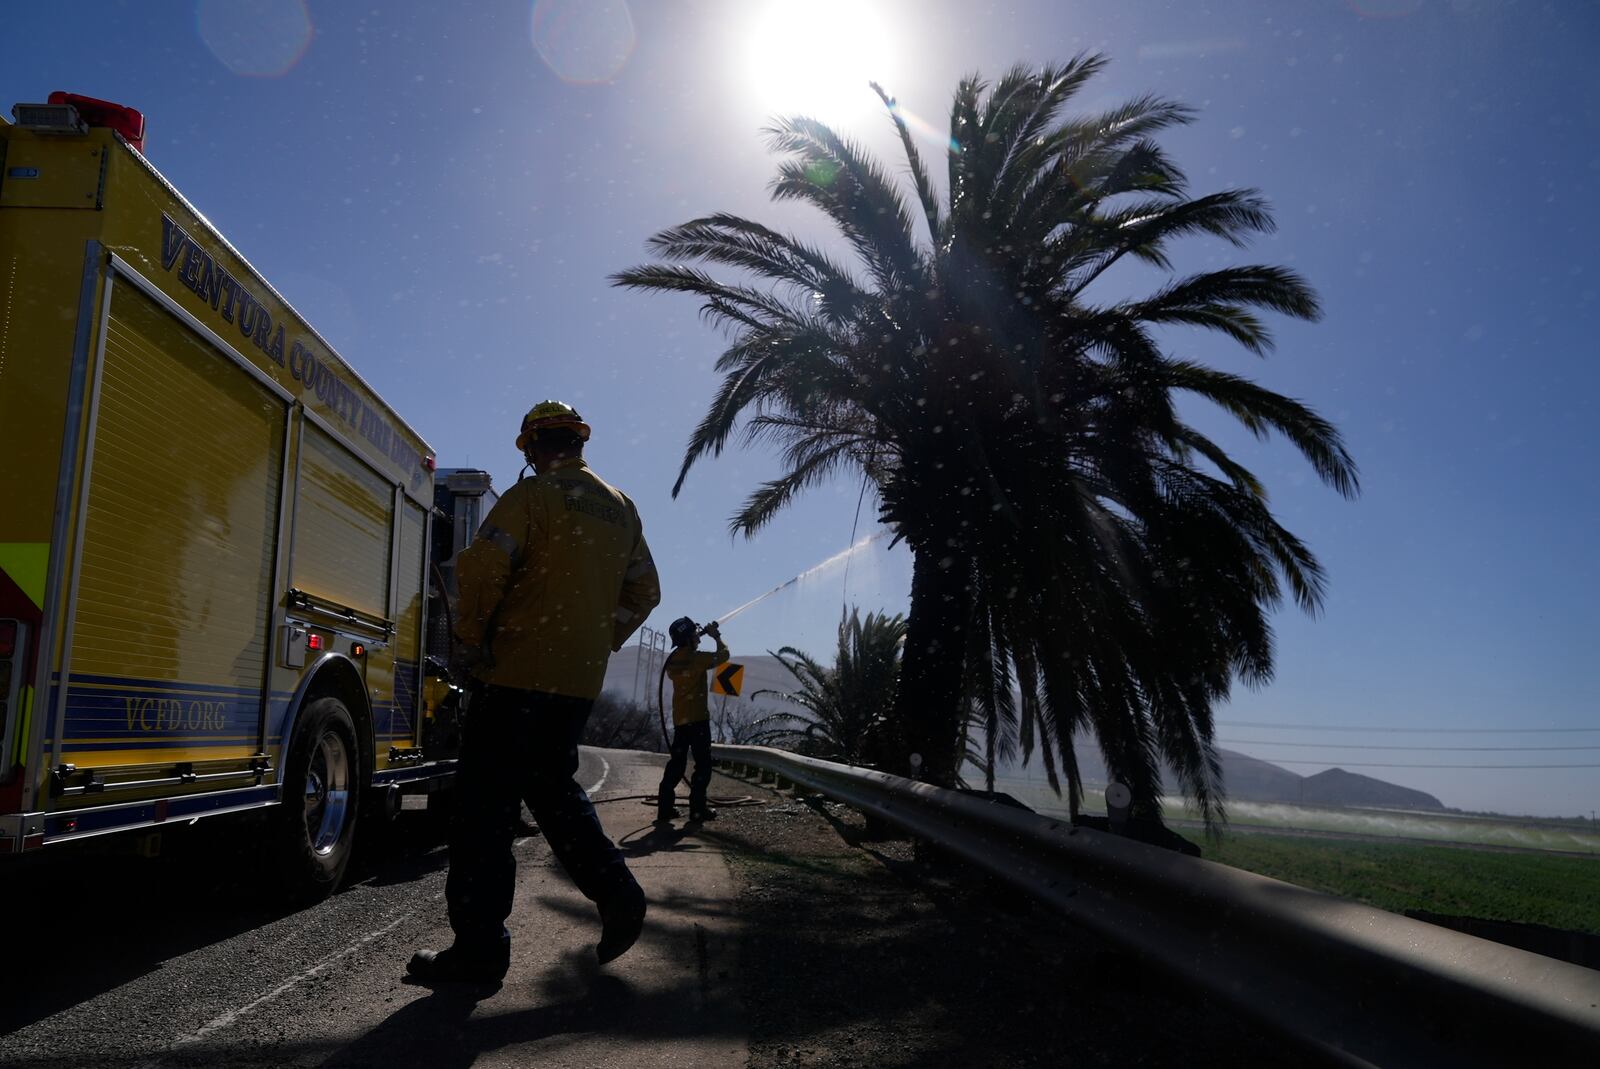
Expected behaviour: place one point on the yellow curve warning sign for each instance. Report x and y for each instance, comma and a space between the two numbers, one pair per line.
727, 679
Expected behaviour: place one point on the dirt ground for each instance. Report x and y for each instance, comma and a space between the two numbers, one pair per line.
859, 955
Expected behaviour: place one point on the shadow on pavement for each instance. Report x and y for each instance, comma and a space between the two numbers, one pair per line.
453, 1027
653, 838
573, 998
104, 916
662, 908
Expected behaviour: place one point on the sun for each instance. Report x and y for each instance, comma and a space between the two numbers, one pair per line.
816, 58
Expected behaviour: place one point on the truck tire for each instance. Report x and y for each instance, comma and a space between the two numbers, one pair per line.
316, 823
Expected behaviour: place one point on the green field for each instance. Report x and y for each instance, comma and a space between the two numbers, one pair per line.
1562, 892
1444, 827
1477, 830
1528, 887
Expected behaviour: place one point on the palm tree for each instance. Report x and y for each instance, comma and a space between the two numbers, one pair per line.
1083, 558
848, 708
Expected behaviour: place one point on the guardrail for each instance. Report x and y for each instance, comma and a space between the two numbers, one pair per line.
1359, 985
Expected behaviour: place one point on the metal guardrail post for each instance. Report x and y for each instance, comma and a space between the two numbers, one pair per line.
1359, 985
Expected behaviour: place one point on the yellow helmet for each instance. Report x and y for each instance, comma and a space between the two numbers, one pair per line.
547, 415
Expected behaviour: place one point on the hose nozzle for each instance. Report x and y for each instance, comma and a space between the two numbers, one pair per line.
684, 630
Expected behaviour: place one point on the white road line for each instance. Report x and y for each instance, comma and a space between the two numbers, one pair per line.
233, 1015
605, 770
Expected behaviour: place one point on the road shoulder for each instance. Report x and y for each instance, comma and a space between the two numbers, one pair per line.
855, 954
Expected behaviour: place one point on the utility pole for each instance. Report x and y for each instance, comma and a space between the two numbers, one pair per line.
638, 663
651, 642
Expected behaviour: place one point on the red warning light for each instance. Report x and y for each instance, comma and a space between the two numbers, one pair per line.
313, 641
430, 463
128, 122
357, 650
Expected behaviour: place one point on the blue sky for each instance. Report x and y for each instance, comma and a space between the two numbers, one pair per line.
443, 189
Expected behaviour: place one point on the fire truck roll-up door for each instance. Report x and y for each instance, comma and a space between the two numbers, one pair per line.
168, 648
357, 575
342, 530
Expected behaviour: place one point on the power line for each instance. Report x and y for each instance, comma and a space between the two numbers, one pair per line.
1408, 731
844, 598
1379, 764
1369, 746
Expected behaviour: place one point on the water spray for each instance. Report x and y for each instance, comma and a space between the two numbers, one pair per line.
838, 558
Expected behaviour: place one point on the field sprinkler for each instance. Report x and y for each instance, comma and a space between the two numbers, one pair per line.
1119, 804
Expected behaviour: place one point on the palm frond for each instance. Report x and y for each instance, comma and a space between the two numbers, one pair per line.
919, 171
835, 175
765, 309
1261, 410
770, 498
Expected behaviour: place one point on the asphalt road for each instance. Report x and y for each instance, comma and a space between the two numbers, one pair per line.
175, 961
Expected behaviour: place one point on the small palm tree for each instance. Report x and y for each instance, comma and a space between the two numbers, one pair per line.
849, 707
1083, 558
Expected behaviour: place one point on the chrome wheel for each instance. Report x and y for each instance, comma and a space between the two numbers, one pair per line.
327, 795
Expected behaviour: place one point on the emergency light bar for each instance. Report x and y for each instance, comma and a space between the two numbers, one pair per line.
72, 113
49, 118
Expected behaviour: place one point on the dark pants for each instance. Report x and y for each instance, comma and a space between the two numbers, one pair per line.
521, 746
687, 737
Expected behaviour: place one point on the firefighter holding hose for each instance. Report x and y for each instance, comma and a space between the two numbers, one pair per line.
686, 666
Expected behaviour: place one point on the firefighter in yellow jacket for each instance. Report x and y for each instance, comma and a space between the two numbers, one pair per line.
691, 719
557, 578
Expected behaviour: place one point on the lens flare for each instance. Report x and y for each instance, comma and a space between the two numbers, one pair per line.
584, 42
926, 130
255, 38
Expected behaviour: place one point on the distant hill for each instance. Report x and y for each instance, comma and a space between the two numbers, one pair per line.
1338, 787
1253, 779
1250, 779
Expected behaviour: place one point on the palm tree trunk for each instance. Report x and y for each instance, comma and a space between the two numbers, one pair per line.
931, 671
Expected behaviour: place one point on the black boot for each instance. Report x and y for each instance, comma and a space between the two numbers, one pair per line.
699, 809
453, 965
666, 809
622, 919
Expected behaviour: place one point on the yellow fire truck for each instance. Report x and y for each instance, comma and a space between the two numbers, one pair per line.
214, 536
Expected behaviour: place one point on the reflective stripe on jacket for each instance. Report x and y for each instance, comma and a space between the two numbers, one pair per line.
687, 670
558, 576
